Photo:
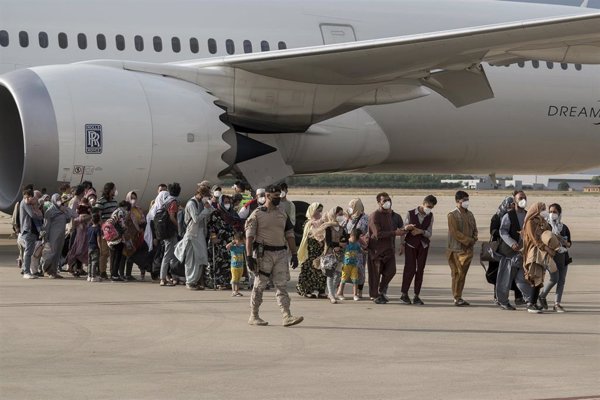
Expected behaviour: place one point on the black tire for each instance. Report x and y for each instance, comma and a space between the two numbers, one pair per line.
301, 208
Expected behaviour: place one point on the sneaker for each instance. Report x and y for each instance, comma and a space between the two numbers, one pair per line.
89, 278
342, 298
356, 298
558, 308
191, 287
333, 300
95, 279
461, 303
387, 299
507, 307
531, 308
130, 278
519, 301
165, 283
255, 320
116, 279
380, 300
39, 274
29, 276
543, 303
238, 294
290, 320
103, 275
404, 299
418, 301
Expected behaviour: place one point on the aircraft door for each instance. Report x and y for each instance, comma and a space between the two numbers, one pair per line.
337, 33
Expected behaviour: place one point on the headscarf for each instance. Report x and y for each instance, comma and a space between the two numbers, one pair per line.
357, 208
557, 225
534, 211
90, 192
54, 208
136, 214
504, 206
329, 221
161, 200
230, 217
310, 225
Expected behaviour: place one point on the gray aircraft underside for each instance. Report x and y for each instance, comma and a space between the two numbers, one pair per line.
380, 86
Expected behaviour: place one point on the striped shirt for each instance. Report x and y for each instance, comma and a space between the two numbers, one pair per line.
106, 207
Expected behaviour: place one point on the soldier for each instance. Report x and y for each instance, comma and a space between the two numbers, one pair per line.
267, 230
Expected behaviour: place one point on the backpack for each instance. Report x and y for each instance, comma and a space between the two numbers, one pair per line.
109, 231
165, 229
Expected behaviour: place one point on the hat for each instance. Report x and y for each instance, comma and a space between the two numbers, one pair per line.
260, 191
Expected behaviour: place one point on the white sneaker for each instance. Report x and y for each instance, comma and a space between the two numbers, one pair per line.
29, 276
333, 300
356, 298
95, 279
89, 279
342, 298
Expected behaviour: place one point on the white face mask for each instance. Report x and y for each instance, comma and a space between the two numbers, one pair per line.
544, 214
340, 219
262, 200
133, 201
350, 210
59, 203
116, 193
227, 206
283, 193
522, 203
92, 202
387, 205
217, 193
554, 216
427, 210
465, 204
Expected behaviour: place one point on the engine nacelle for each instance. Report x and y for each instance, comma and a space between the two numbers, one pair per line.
76, 122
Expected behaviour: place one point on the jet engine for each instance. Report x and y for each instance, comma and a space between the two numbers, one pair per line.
70, 123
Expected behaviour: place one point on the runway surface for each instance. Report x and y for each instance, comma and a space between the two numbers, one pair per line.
70, 339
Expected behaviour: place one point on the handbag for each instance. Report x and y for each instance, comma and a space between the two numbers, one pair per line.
489, 252
328, 263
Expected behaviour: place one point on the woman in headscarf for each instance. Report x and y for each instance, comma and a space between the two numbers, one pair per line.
78, 252
119, 218
357, 219
134, 232
222, 223
334, 235
534, 226
55, 222
561, 258
311, 279
491, 274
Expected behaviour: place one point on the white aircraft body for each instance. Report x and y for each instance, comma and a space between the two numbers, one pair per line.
143, 92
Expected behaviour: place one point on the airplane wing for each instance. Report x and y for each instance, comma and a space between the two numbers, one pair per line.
290, 90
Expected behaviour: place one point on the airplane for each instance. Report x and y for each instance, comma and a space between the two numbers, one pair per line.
139, 93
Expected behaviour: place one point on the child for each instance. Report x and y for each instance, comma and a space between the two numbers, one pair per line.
237, 250
93, 235
350, 268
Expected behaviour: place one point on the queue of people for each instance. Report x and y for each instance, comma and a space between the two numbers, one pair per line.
218, 241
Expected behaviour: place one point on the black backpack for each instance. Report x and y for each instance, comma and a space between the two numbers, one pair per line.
165, 228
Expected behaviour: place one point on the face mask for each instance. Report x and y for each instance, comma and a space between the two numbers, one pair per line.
133, 201
275, 201
427, 210
262, 200
465, 205
544, 214
387, 205
554, 216
116, 193
340, 219
522, 203
92, 202
350, 210
227, 206
59, 203
217, 193
283, 193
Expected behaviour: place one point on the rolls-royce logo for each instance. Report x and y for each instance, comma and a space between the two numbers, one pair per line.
575, 112
93, 139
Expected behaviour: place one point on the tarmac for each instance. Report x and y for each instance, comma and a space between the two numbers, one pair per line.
70, 339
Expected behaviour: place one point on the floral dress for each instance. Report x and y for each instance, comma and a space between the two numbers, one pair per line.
218, 257
362, 223
310, 278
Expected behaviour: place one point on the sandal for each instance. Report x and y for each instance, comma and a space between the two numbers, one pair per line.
165, 283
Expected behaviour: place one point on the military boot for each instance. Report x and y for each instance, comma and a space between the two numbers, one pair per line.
256, 320
289, 320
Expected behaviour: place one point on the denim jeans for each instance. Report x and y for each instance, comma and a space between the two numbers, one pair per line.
28, 242
557, 278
